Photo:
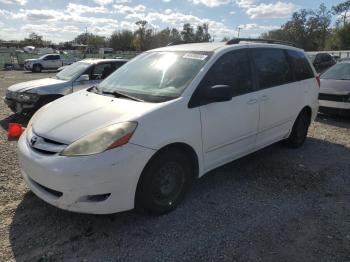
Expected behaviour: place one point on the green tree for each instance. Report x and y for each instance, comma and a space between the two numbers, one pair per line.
202, 33
307, 28
35, 40
90, 39
122, 40
140, 35
187, 33
175, 35
342, 11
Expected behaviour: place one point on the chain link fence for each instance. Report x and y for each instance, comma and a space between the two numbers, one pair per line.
16, 60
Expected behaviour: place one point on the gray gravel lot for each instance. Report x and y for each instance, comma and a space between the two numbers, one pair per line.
278, 204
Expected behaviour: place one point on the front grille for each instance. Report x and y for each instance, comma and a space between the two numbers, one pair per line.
331, 97
45, 152
44, 145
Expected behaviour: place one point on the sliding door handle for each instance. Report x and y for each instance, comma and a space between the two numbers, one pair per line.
264, 98
252, 101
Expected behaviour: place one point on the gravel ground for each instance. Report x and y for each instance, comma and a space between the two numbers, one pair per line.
278, 204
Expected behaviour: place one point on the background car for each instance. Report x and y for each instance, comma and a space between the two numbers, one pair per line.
29, 96
45, 62
322, 61
334, 96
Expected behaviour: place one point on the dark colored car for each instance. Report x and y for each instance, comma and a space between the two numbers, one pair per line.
322, 61
334, 96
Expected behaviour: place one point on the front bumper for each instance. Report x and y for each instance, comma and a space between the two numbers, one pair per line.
19, 107
68, 182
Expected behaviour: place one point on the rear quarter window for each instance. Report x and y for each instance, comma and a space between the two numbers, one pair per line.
300, 65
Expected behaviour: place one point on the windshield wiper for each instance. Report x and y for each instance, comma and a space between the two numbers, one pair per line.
119, 94
95, 89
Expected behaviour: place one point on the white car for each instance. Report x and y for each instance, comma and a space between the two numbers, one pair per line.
45, 62
169, 116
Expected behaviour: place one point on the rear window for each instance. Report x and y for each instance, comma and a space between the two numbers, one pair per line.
272, 67
300, 65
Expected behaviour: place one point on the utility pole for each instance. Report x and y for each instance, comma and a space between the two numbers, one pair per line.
87, 39
239, 30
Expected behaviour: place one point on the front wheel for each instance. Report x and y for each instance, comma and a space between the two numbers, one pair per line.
299, 131
164, 182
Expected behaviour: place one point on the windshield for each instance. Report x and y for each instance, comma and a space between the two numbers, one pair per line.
72, 71
338, 71
156, 76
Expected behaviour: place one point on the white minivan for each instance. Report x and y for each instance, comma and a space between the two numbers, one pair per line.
143, 135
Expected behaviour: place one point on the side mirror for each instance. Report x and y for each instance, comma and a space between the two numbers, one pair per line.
219, 93
83, 78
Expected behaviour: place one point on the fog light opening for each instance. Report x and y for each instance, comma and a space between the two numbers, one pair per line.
95, 198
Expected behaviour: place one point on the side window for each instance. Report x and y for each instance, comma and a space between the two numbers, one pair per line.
56, 57
101, 71
118, 64
231, 69
48, 57
326, 58
300, 65
318, 58
272, 67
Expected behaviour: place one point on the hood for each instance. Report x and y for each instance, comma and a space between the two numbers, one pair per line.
333, 86
25, 86
74, 116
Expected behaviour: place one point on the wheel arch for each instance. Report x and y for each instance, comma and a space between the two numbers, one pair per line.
184, 147
181, 146
307, 109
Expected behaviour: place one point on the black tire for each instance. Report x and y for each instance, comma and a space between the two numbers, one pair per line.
164, 182
36, 68
299, 131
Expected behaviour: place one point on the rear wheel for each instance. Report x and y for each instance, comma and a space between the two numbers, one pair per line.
164, 182
299, 131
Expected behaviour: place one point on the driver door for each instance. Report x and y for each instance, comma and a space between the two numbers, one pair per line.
47, 62
229, 128
96, 74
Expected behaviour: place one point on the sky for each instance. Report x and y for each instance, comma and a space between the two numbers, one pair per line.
62, 20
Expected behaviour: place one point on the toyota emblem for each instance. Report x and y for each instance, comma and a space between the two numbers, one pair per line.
33, 140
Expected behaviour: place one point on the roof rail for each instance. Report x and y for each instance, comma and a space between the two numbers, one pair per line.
180, 42
259, 40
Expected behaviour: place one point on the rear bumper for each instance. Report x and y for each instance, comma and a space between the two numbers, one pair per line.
335, 104
335, 111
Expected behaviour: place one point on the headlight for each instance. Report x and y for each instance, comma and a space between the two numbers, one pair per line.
26, 97
101, 140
